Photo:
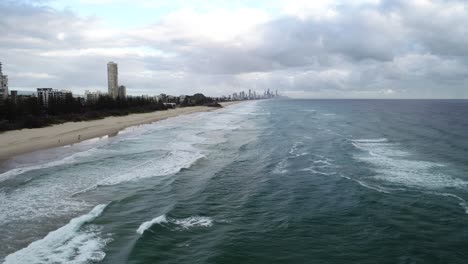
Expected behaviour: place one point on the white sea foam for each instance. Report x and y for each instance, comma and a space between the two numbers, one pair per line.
34, 203
184, 223
374, 140
294, 150
462, 202
328, 131
91, 141
368, 186
174, 142
280, 168
194, 221
158, 149
158, 220
320, 161
72, 243
319, 165
396, 166
171, 163
381, 149
65, 161
295, 147
314, 171
301, 154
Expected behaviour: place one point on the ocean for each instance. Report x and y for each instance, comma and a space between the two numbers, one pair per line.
274, 181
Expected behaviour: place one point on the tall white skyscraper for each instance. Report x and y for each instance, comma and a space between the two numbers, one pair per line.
113, 79
3, 85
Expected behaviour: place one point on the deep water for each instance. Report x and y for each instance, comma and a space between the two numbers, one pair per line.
278, 181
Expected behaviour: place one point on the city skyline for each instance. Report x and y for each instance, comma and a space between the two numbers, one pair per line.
319, 49
114, 90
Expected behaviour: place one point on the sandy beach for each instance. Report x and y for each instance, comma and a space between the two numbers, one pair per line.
17, 142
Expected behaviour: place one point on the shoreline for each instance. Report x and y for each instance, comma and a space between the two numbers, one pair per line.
17, 142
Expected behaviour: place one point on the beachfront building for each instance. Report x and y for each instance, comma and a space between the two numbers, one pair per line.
3, 85
170, 105
162, 98
112, 79
44, 95
122, 93
92, 97
14, 96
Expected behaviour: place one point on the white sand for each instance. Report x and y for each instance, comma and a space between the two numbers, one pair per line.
18, 142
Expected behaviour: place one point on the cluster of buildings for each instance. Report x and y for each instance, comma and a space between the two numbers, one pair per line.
44, 95
252, 95
115, 91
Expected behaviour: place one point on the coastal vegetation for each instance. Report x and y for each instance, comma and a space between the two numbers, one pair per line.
196, 99
30, 112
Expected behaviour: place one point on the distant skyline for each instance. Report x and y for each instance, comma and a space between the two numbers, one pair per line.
303, 48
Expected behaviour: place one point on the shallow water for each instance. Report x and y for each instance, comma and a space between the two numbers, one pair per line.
285, 181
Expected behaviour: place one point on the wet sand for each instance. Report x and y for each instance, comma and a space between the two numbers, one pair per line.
16, 142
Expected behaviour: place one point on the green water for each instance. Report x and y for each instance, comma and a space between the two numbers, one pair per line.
293, 181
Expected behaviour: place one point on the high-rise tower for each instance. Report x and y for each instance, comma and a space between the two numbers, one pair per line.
113, 79
3, 85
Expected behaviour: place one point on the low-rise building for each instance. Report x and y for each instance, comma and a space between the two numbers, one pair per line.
92, 97
44, 95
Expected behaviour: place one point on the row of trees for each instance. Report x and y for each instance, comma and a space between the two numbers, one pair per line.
29, 112
196, 99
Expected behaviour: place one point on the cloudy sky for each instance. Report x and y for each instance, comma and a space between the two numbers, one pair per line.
303, 48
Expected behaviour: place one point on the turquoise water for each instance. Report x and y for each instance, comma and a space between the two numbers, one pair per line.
286, 181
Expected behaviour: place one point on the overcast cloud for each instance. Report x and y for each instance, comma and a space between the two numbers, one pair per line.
320, 49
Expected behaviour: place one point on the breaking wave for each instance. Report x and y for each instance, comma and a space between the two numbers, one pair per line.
65, 161
75, 242
194, 221
395, 166
375, 140
180, 224
158, 220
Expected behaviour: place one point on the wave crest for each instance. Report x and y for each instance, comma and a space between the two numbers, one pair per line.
183, 223
72, 243
158, 220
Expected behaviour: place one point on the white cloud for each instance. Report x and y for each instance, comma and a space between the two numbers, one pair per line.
35, 75
304, 9
328, 48
108, 52
218, 25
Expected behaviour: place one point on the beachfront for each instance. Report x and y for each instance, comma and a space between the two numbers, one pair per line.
17, 142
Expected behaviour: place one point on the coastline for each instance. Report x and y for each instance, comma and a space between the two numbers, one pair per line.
17, 142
